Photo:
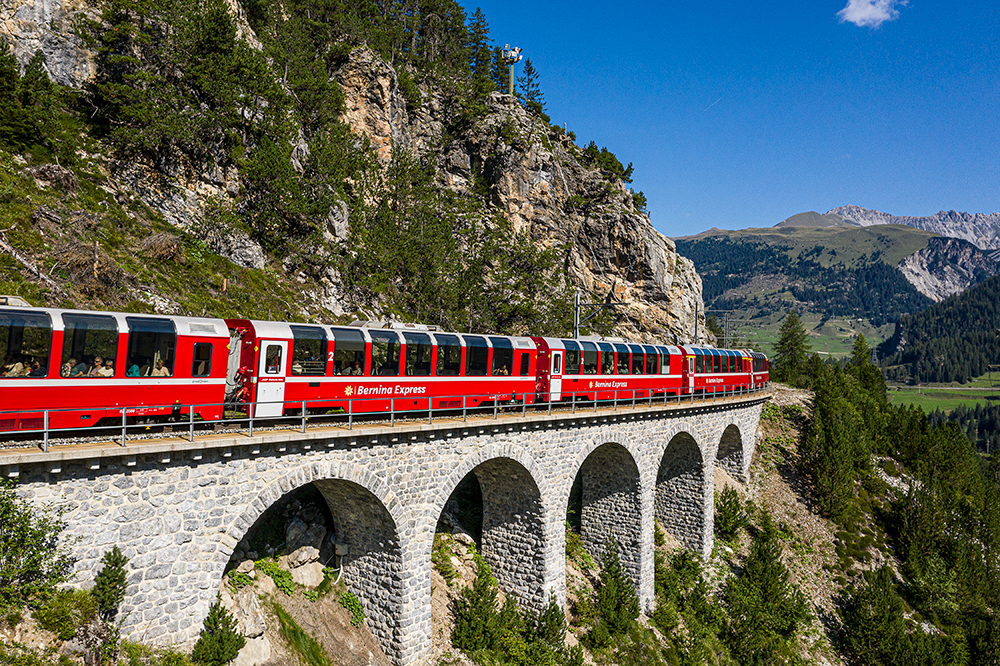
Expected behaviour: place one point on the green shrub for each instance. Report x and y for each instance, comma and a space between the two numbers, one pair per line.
477, 621
65, 612
219, 642
33, 563
349, 601
282, 579
110, 583
729, 515
238, 580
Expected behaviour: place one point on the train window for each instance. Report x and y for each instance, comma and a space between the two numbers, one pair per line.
272, 359
590, 366
607, 358
524, 363
717, 364
87, 340
348, 352
25, 342
449, 355
503, 356
624, 359
308, 350
419, 354
638, 360
572, 358
699, 361
664, 360
477, 354
385, 353
652, 360
151, 347
202, 365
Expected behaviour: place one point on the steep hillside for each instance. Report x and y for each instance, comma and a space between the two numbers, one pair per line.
980, 229
343, 164
954, 340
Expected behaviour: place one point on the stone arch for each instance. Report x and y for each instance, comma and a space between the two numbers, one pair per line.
611, 504
731, 455
683, 503
519, 526
367, 519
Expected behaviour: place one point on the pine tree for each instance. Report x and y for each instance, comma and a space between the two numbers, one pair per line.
617, 601
477, 618
791, 350
861, 352
110, 583
219, 642
527, 85
765, 609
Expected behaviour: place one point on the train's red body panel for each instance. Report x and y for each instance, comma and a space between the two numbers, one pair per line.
86, 366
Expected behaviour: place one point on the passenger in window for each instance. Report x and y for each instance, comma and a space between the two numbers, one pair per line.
98, 366
108, 370
133, 371
356, 369
37, 369
77, 369
8, 365
15, 368
161, 370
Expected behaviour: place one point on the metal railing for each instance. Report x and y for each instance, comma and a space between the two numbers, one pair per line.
237, 418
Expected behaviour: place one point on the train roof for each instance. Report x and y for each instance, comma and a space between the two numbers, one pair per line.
184, 325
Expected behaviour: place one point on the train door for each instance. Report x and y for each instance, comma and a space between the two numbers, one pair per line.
271, 378
690, 373
555, 375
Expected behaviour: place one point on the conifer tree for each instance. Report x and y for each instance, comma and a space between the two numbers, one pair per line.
477, 620
220, 641
527, 85
791, 351
617, 601
765, 609
110, 583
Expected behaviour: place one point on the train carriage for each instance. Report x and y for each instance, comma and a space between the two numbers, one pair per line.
87, 366
362, 369
603, 369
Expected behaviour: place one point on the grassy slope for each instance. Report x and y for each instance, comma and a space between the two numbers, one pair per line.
845, 246
139, 254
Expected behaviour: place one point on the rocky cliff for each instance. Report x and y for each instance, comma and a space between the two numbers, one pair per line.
980, 229
947, 266
539, 178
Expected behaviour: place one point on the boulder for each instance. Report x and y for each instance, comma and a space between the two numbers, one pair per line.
309, 575
303, 556
256, 651
299, 534
245, 567
249, 615
463, 538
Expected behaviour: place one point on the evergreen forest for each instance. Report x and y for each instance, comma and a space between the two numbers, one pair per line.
951, 341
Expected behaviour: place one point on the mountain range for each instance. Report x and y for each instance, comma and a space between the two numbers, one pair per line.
980, 229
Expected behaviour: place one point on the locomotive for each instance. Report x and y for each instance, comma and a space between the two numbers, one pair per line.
73, 368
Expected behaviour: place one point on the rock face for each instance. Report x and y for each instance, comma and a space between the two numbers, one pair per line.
47, 26
980, 229
544, 185
947, 266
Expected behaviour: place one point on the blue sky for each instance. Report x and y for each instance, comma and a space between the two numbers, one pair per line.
739, 114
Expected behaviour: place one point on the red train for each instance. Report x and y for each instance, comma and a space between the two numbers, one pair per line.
82, 367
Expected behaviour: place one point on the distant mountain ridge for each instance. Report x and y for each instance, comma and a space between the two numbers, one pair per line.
980, 229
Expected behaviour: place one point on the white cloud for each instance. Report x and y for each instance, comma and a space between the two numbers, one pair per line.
870, 13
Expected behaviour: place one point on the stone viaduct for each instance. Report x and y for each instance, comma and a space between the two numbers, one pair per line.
178, 509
